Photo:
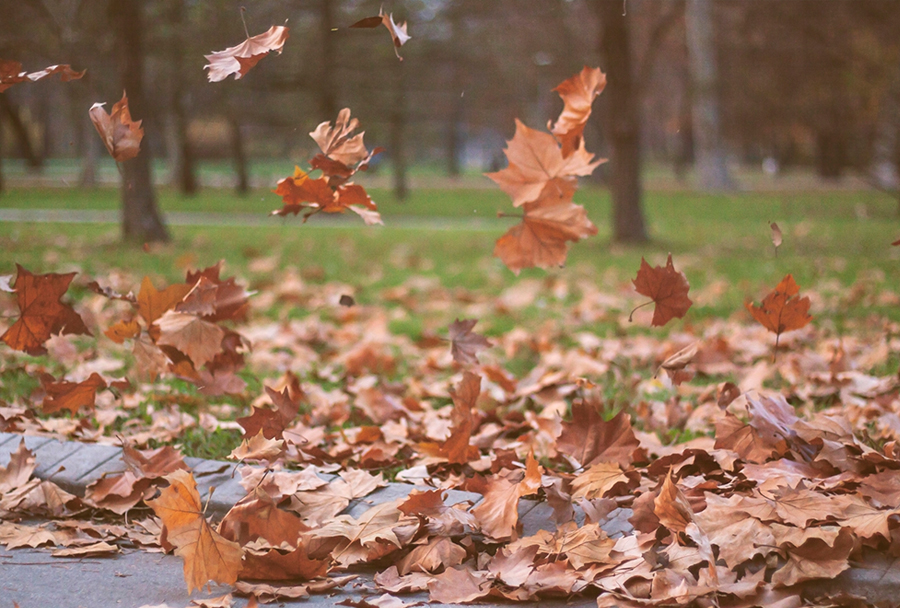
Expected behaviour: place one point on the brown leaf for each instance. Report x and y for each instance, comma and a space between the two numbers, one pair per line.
275, 565
667, 287
42, 313
118, 493
536, 160
152, 303
198, 339
271, 593
71, 396
11, 73
456, 448
456, 586
19, 469
600, 480
672, 507
207, 556
240, 59
589, 439
121, 135
258, 448
782, 309
123, 330
578, 94
498, 513
437, 554
152, 463
464, 343
337, 141
258, 516
548, 223
97, 549
397, 30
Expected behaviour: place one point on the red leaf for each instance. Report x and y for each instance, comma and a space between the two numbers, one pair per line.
667, 287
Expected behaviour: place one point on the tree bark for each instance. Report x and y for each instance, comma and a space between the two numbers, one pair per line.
181, 154
398, 136
33, 160
242, 187
141, 220
712, 170
621, 124
326, 85
2, 182
886, 147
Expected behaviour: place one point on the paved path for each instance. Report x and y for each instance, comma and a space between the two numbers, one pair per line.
189, 218
34, 579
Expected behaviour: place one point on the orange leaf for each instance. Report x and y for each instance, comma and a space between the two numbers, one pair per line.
42, 313
72, 396
667, 287
536, 159
589, 439
123, 330
456, 448
548, 224
672, 507
240, 59
577, 93
782, 309
121, 135
207, 556
338, 142
152, 303
11, 73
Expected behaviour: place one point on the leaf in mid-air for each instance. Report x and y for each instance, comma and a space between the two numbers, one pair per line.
667, 287
240, 59
121, 135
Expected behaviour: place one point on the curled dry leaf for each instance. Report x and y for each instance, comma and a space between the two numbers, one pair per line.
464, 343
207, 556
240, 59
121, 135
667, 287
578, 94
11, 73
43, 314
258, 448
397, 30
777, 237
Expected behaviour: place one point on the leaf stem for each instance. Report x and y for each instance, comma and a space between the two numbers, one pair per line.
244, 21
633, 310
513, 215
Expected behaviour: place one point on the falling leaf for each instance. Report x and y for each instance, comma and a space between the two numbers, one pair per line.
123, 330
43, 314
536, 160
397, 30
578, 94
153, 303
464, 343
198, 339
666, 287
456, 448
547, 225
207, 556
782, 309
121, 135
11, 73
71, 396
240, 59
338, 142
347, 301
776, 236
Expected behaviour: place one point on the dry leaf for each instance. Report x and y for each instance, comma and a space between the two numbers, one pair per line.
240, 59
121, 135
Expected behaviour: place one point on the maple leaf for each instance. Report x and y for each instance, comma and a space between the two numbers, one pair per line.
547, 225
458, 585
456, 448
666, 287
43, 314
153, 303
589, 439
498, 512
18, 470
464, 343
535, 159
153, 463
782, 309
397, 30
599, 480
438, 553
578, 94
11, 73
198, 339
71, 396
338, 142
213, 298
121, 135
258, 448
275, 565
257, 516
123, 330
207, 555
240, 59
672, 507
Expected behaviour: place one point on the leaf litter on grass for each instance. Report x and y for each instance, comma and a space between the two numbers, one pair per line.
785, 480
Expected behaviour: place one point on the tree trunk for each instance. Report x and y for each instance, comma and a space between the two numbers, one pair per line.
242, 187
141, 220
398, 128
2, 183
621, 124
886, 147
181, 155
712, 170
326, 85
33, 160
